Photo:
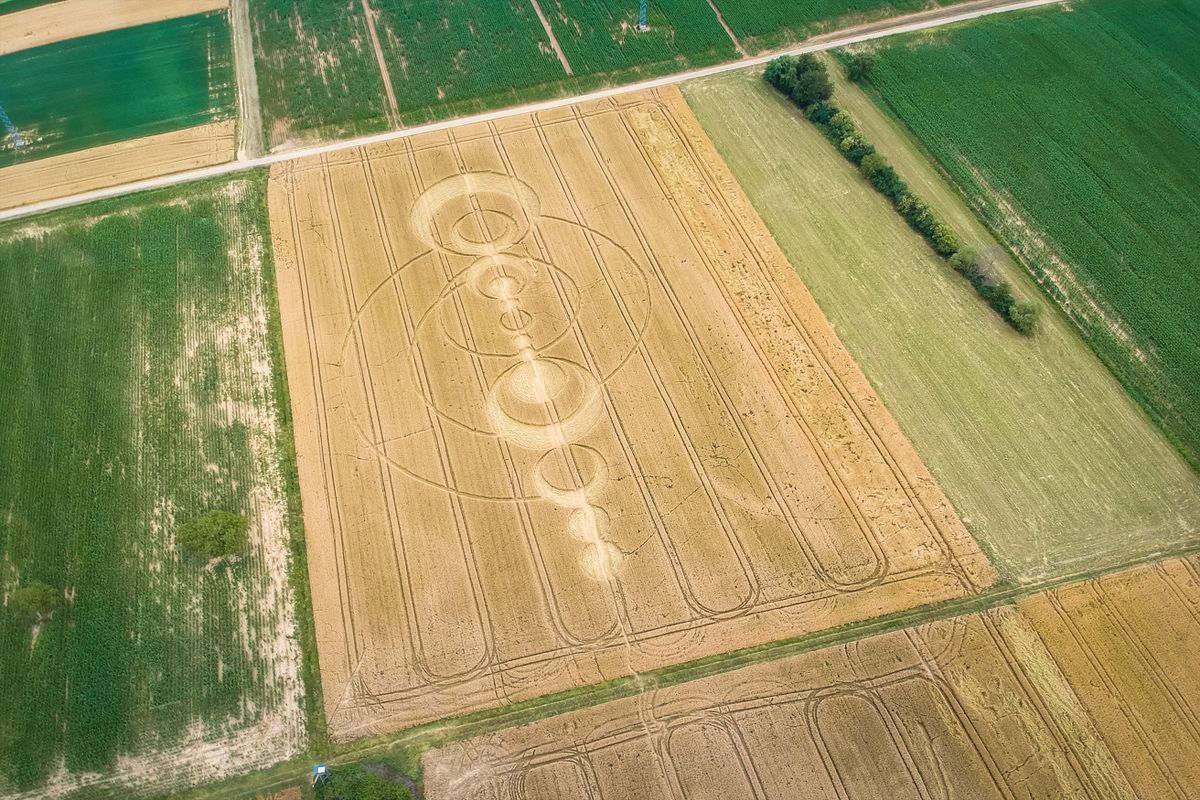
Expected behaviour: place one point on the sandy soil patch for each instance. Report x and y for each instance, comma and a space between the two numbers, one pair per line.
113, 164
565, 413
69, 19
946, 710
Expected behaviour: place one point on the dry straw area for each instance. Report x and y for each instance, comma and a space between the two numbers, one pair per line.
1072, 694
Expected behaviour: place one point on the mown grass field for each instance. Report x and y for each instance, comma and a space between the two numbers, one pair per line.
767, 24
319, 76
139, 393
1052, 466
1085, 158
117, 85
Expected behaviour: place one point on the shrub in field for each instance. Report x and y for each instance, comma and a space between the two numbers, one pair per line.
217, 533
871, 164
811, 86
820, 113
858, 68
1023, 315
802, 78
855, 148
842, 124
944, 239
35, 601
355, 783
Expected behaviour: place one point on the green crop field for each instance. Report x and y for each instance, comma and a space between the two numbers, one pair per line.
768, 24
1085, 157
602, 37
117, 85
1052, 466
447, 56
316, 72
139, 394
319, 75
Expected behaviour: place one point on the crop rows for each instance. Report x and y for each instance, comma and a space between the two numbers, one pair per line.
1085, 157
132, 403
767, 24
319, 76
463, 53
602, 37
118, 85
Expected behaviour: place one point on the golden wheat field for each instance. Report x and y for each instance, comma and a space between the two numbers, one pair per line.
565, 413
1048, 699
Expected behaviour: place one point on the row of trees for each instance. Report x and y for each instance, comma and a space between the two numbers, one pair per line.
805, 81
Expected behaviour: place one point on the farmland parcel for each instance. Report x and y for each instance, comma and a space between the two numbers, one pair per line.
139, 395
569, 415
117, 163
1086, 159
118, 85
1075, 695
1052, 466
337, 68
68, 19
767, 24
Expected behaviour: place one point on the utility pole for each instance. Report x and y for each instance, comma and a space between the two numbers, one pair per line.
644, 16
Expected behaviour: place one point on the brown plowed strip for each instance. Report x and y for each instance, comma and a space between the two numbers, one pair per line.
565, 413
1086, 692
69, 19
115, 164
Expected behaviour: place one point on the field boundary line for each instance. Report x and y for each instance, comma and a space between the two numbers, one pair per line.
834, 41
562, 57
369, 13
250, 127
721, 19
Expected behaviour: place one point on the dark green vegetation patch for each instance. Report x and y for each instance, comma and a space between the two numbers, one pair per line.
137, 396
118, 85
1077, 136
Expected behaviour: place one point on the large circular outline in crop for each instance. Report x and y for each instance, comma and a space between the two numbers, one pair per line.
640, 311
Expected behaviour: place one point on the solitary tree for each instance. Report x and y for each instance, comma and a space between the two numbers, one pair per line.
35, 601
217, 533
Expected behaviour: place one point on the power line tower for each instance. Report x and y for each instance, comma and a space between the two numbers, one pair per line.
644, 16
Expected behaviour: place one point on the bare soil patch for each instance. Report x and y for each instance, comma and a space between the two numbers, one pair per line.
565, 413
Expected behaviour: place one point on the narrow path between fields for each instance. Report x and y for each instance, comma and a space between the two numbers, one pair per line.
721, 19
250, 128
383, 70
862, 33
562, 57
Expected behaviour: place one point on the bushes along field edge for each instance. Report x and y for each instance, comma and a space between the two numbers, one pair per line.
805, 81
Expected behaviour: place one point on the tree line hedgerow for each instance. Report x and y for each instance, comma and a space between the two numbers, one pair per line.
805, 81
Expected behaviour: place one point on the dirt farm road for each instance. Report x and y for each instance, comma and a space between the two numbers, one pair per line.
862, 33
